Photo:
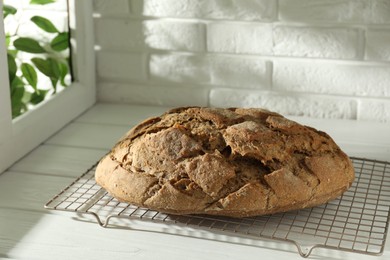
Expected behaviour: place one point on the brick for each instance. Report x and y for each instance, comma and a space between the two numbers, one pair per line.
259, 10
378, 44
179, 68
128, 34
174, 35
374, 110
349, 11
240, 72
119, 34
352, 11
317, 106
380, 11
121, 65
104, 7
358, 79
321, 42
168, 95
210, 70
254, 38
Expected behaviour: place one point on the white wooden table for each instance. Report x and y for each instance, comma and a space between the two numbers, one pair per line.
28, 231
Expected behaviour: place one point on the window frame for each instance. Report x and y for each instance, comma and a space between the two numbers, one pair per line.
5, 101
20, 135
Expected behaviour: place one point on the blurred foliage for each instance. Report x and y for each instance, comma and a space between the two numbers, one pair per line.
47, 59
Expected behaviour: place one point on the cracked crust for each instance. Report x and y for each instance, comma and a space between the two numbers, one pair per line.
234, 162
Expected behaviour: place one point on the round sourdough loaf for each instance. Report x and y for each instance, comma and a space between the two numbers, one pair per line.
234, 162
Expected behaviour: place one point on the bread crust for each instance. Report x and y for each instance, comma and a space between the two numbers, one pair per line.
233, 162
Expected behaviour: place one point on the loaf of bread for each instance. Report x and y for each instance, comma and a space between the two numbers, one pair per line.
233, 162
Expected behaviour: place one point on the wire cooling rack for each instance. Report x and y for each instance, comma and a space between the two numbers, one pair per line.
356, 222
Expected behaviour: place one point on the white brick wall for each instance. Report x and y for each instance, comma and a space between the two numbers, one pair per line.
321, 42
153, 94
318, 58
111, 7
210, 70
296, 104
121, 66
253, 38
183, 68
119, 34
378, 44
174, 35
374, 109
214, 9
346, 11
330, 78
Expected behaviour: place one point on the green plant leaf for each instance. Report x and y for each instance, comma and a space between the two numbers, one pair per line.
43, 66
8, 9
44, 24
41, 2
13, 53
55, 68
12, 68
28, 45
7, 40
54, 82
17, 90
27, 96
16, 83
49, 67
17, 93
63, 72
60, 42
30, 75
17, 109
38, 97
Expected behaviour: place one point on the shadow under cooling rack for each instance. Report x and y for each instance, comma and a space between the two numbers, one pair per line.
355, 222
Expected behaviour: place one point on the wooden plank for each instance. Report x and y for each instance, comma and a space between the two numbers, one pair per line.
14, 224
120, 114
28, 231
35, 235
59, 160
28, 191
88, 135
63, 237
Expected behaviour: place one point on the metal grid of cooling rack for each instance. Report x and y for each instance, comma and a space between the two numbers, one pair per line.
356, 222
